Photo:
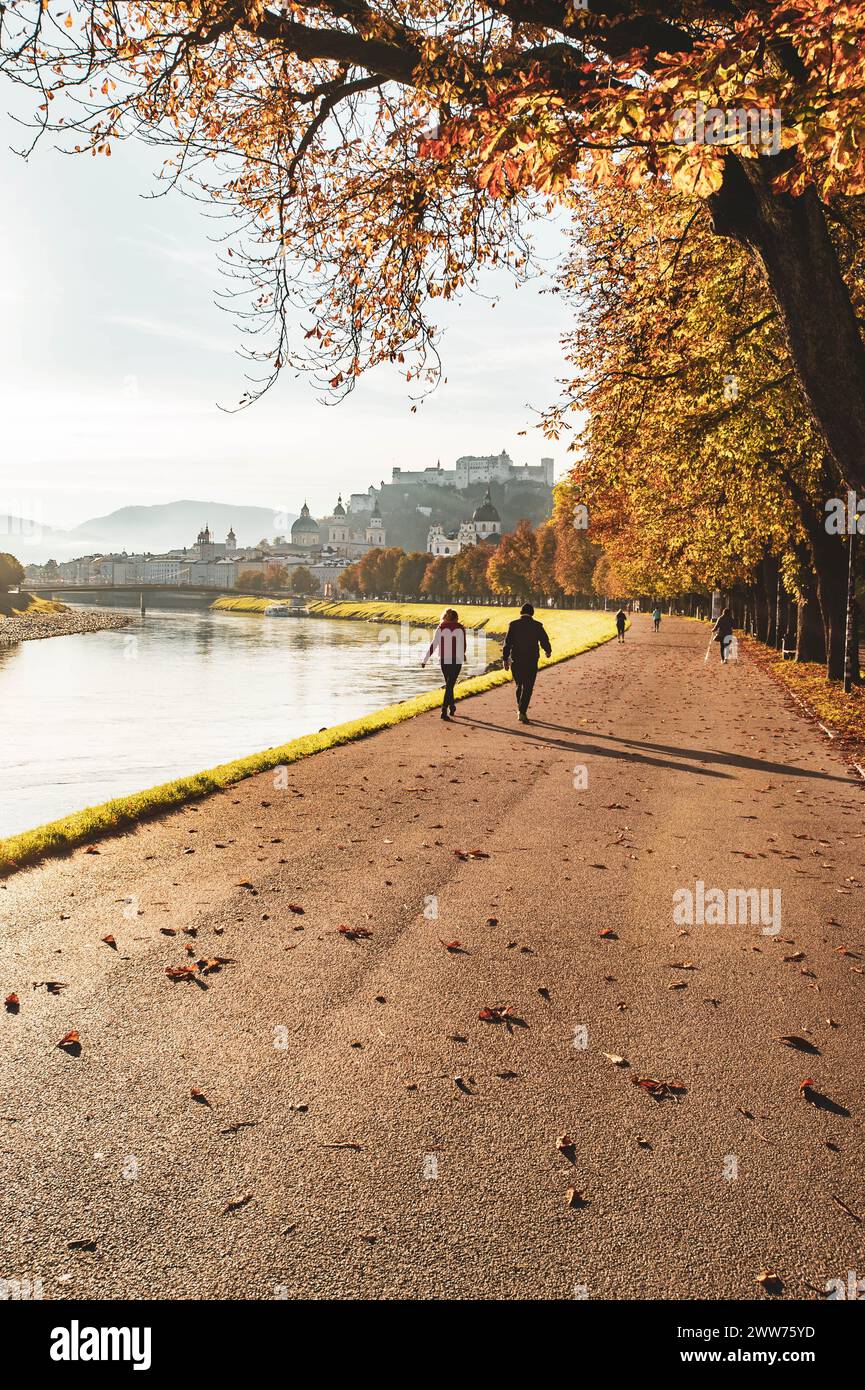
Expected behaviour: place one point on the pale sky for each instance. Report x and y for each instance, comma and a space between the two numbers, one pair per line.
113, 357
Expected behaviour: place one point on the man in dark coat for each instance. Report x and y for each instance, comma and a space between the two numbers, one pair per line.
521, 654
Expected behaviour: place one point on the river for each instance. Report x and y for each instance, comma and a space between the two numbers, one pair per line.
90, 717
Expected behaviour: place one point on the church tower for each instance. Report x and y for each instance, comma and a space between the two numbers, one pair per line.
375, 533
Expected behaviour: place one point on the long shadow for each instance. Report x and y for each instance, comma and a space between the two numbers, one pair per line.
623, 755
708, 755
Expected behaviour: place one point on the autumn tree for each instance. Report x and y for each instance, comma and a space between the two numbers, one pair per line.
350, 581
410, 571
469, 576
11, 572
379, 155
303, 581
698, 457
511, 569
544, 576
436, 581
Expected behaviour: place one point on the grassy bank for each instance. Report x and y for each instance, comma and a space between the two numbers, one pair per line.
571, 632
564, 631
842, 715
25, 605
248, 603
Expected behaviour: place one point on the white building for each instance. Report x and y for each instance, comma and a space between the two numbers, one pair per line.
351, 536
500, 468
435, 477
206, 548
485, 525
210, 574
162, 569
304, 532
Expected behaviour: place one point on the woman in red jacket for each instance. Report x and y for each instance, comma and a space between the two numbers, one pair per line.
450, 639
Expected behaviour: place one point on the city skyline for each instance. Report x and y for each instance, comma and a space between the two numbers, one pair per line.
117, 360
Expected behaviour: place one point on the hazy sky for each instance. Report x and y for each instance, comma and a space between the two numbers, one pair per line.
113, 356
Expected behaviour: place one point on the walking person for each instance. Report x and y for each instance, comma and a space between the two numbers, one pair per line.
656, 619
621, 619
449, 639
521, 654
722, 632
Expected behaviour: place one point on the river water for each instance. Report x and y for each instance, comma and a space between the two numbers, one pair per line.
90, 717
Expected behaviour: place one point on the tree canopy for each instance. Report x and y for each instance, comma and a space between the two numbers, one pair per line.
378, 155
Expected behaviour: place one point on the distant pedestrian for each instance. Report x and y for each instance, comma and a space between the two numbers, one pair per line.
621, 619
521, 654
656, 619
722, 632
450, 641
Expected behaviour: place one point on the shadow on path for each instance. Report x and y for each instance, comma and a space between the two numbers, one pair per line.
702, 755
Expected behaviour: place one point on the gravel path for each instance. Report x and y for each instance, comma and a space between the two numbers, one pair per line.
328, 1115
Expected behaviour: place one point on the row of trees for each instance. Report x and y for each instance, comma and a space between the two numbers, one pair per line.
301, 580
379, 156
554, 561
696, 452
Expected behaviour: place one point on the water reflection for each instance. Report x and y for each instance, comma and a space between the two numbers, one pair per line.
101, 715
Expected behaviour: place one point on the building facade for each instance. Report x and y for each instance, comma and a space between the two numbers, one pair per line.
485, 525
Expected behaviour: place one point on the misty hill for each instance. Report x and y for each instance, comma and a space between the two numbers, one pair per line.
171, 524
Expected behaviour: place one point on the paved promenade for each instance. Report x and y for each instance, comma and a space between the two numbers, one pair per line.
315, 1112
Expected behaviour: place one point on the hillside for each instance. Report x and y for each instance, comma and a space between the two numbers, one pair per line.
407, 527
170, 524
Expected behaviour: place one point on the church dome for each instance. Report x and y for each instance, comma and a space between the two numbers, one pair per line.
486, 511
304, 525
339, 509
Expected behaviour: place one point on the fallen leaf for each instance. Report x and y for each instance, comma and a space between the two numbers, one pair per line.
354, 933
180, 972
109, 941
573, 1198
236, 1206
616, 1060
660, 1090
772, 1283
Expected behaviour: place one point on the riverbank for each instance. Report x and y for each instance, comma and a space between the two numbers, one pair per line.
44, 618
489, 618
513, 1074
571, 632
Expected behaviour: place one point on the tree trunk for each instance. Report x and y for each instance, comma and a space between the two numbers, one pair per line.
830, 563
810, 635
792, 241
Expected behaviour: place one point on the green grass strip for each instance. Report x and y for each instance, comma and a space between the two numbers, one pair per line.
571, 632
